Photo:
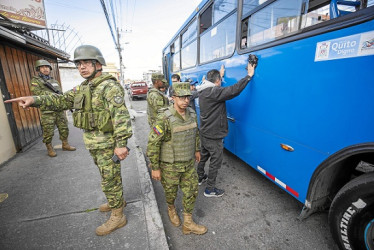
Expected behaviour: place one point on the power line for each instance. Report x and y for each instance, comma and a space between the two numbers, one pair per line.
108, 21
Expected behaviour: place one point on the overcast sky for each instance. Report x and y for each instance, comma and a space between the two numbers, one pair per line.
150, 24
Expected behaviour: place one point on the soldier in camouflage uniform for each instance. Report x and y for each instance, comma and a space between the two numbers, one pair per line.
100, 110
173, 147
44, 84
156, 99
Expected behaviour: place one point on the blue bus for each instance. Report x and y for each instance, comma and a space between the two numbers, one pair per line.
306, 120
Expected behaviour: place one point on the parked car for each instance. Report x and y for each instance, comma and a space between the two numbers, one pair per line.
138, 90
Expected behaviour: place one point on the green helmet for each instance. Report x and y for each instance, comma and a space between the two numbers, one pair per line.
39, 63
88, 52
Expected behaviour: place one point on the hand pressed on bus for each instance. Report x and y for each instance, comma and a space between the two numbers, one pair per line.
250, 69
24, 102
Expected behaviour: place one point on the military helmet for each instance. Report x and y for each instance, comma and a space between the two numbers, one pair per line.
181, 88
41, 62
88, 52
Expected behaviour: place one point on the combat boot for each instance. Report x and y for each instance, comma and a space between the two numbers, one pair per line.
66, 146
117, 220
189, 226
173, 216
51, 151
105, 207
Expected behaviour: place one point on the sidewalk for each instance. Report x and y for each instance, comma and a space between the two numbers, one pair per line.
53, 202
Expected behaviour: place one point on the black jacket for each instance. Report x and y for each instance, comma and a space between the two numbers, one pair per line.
212, 101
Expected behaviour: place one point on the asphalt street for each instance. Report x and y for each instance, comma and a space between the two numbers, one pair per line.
253, 214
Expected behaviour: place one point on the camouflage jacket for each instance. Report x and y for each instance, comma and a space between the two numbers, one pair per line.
162, 132
106, 94
38, 87
156, 100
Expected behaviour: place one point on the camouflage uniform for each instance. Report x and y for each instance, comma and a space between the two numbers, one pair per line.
174, 154
156, 100
108, 126
50, 118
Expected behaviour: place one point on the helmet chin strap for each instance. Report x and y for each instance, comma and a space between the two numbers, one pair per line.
92, 76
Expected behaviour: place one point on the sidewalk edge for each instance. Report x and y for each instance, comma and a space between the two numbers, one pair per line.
156, 233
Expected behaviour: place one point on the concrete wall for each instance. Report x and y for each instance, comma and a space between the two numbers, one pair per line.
8, 149
70, 76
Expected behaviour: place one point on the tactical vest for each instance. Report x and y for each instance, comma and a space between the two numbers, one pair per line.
84, 116
182, 145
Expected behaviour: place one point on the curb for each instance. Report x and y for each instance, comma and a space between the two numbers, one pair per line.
155, 228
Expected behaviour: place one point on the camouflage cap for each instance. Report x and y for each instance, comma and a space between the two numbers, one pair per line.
158, 76
181, 89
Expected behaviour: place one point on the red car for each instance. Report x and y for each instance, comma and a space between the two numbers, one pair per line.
138, 90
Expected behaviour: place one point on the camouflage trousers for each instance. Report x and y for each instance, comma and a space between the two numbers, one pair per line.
183, 175
111, 179
48, 122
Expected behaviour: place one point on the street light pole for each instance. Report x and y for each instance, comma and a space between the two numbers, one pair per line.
120, 56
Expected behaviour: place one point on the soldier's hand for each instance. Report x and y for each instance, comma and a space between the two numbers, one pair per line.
197, 156
122, 153
156, 175
24, 102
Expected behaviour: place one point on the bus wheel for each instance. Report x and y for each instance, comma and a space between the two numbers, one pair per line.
351, 215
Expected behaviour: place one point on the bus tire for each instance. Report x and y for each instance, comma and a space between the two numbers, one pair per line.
351, 215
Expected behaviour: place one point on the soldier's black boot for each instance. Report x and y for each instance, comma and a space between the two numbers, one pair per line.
51, 151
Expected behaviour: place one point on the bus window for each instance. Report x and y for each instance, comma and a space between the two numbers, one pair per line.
175, 47
206, 19
219, 41
221, 8
189, 46
322, 13
189, 34
249, 5
272, 22
316, 16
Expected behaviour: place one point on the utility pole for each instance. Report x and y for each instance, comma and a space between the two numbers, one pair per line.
120, 56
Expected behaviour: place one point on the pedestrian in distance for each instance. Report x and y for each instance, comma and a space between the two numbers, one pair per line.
156, 98
213, 123
44, 84
173, 147
194, 94
174, 78
99, 110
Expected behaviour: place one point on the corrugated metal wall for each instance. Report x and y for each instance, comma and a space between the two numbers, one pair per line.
18, 67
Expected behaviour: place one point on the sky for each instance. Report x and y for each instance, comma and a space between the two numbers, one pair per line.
147, 26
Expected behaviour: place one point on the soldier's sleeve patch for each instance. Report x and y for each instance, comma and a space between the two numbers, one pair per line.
34, 84
157, 130
118, 99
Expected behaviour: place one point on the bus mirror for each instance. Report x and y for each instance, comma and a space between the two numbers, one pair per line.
252, 59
